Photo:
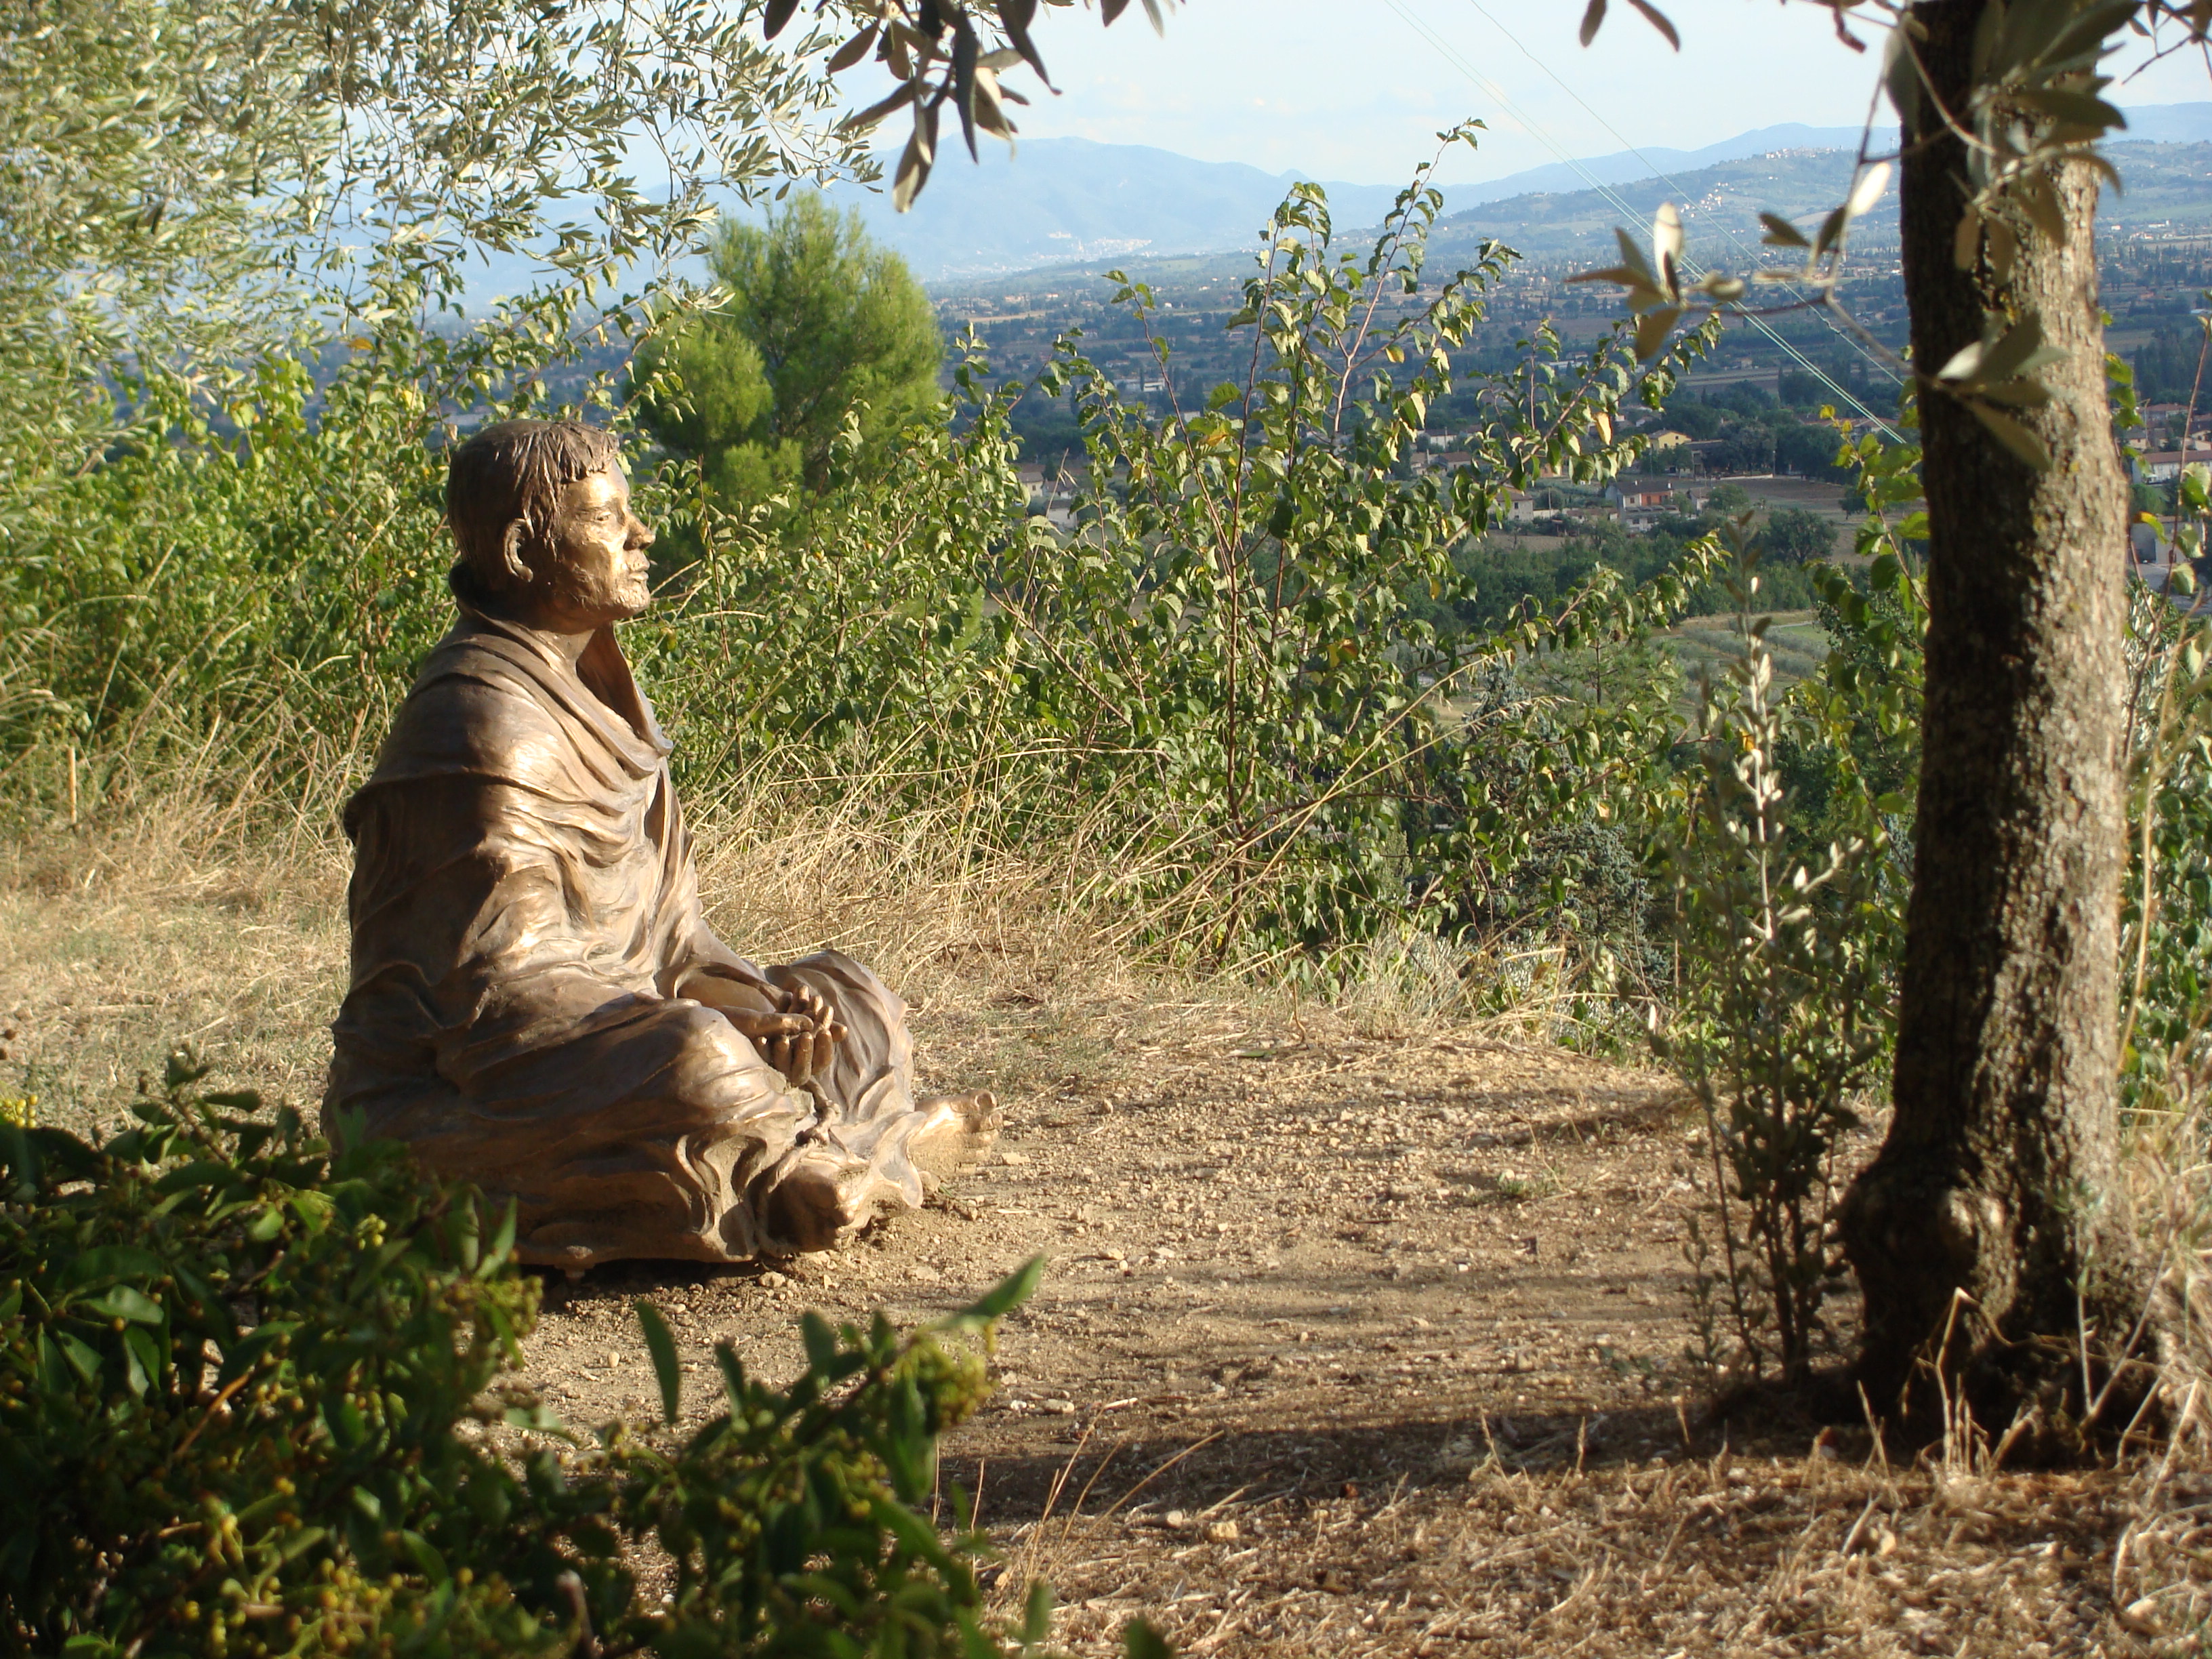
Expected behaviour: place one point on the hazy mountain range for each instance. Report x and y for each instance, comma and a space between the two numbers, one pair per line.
1068, 200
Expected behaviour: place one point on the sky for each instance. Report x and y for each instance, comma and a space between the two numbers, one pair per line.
1355, 89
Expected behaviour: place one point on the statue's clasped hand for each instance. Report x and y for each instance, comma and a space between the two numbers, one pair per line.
791, 1024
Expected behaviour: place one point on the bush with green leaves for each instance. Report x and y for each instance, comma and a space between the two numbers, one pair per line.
1788, 850
2166, 950
1222, 688
258, 1400
1222, 677
1792, 859
1780, 1020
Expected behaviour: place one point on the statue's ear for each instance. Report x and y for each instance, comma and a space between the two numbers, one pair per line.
510, 553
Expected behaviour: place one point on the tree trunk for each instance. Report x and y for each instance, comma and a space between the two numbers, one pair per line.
1999, 1175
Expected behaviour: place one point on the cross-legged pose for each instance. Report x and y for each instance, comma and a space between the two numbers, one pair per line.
538, 1005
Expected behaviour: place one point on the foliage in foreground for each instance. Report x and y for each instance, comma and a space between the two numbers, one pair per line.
256, 1399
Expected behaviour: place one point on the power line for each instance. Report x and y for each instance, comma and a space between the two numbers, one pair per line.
1445, 50
1750, 257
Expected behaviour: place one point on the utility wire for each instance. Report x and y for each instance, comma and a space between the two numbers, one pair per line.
1750, 257
1445, 50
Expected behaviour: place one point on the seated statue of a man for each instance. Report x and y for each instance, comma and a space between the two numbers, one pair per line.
538, 1005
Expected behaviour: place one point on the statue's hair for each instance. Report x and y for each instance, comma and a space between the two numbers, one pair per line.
512, 472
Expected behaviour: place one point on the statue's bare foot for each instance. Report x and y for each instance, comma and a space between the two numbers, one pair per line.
955, 1132
810, 1205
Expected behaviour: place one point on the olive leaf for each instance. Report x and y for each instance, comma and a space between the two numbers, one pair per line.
916, 160
1594, 19
1867, 191
853, 50
2001, 355
2012, 435
661, 1346
1780, 233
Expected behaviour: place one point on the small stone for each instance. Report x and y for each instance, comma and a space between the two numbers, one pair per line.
2139, 1618
1221, 1532
773, 1281
1015, 1158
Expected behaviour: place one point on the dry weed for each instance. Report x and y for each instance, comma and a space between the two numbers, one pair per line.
1550, 1552
177, 913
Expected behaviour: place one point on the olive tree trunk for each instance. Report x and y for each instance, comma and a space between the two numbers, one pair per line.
1998, 1176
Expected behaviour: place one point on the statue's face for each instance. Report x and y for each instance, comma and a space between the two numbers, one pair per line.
597, 548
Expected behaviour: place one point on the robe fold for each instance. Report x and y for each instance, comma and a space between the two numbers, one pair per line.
524, 905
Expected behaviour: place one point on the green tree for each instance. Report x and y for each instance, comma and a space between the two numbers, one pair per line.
821, 326
1793, 536
1990, 1235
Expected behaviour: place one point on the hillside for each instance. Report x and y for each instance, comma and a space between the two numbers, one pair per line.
2168, 184
1068, 203
1056, 200
1064, 201
2169, 188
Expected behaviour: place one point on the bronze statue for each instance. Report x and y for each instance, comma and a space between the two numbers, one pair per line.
538, 1005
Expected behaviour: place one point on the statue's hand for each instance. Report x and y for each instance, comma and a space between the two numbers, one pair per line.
809, 1057
790, 1024
785, 1040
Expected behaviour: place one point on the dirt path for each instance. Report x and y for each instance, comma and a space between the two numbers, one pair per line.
1345, 1347
1246, 1230
1354, 1346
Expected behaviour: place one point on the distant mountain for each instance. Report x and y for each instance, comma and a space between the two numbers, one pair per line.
2156, 123
1068, 201
1629, 166
2167, 183
1719, 206
1060, 201
1057, 200
2168, 124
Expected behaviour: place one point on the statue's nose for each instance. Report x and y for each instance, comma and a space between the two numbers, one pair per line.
641, 533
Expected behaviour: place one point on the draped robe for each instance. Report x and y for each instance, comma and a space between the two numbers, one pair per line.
523, 906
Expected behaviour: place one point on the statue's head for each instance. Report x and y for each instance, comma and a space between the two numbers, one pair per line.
540, 513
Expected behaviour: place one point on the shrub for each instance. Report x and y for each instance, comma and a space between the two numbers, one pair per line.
1781, 1021
257, 1400
1790, 874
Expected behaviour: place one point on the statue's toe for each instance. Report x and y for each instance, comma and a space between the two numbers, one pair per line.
955, 1132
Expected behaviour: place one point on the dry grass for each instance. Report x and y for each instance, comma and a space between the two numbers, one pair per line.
1469, 1512
170, 912
118, 944
1727, 1553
